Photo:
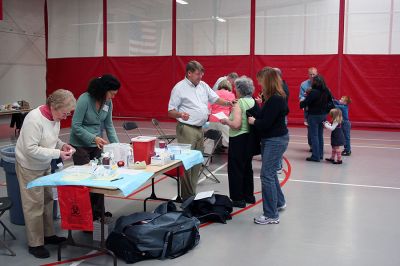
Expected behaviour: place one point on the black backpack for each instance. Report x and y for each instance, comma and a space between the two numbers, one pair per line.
217, 208
166, 233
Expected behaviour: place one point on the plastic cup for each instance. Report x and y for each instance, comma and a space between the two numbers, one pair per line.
162, 144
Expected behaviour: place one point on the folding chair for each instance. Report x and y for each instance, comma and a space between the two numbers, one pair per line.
130, 126
6, 204
163, 136
216, 137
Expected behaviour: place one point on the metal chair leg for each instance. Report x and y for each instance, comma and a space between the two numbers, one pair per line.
4, 236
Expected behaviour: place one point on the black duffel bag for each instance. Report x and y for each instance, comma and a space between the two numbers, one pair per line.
217, 208
166, 233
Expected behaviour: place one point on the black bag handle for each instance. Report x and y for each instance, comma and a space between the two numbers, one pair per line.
169, 236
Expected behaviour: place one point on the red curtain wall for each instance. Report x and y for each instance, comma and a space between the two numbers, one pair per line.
373, 82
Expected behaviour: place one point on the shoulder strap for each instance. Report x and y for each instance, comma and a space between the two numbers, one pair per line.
125, 221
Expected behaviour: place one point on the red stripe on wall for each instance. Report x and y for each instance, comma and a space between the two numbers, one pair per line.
1, 9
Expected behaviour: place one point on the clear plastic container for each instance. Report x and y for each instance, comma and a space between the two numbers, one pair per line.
179, 148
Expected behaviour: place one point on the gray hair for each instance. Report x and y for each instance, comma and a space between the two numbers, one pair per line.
61, 99
244, 86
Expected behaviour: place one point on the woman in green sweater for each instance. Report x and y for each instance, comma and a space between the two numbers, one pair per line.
93, 108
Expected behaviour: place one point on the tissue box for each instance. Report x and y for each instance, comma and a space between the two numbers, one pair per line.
160, 160
108, 226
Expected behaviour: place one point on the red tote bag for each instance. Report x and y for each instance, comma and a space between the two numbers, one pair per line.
75, 208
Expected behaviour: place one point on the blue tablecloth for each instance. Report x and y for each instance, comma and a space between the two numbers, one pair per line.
189, 159
125, 181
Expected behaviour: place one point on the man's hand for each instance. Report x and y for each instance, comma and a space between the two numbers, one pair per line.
185, 116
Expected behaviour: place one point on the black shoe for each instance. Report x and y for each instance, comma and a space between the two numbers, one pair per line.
54, 240
39, 252
250, 200
337, 162
311, 159
239, 203
346, 153
329, 160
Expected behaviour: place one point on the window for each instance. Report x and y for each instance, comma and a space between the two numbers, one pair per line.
213, 27
297, 27
75, 28
372, 27
139, 28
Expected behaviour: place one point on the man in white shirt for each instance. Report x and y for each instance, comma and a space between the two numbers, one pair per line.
189, 105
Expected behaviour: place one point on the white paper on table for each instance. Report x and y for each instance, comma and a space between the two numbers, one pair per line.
129, 171
204, 195
220, 115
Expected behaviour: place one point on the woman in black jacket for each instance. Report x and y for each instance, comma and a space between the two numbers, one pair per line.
271, 126
317, 102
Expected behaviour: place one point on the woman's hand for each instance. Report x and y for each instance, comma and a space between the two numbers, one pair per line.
224, 121
100, 142
67, 147
251, 120
65, 155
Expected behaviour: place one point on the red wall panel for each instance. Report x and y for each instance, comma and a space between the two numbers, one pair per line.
146, 83
372, 81
295, 70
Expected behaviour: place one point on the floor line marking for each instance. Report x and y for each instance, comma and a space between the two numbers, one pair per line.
75, 259
353, 145
352, 138
343, 184
79, 262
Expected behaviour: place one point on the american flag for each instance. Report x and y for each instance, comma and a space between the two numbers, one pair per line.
144, 38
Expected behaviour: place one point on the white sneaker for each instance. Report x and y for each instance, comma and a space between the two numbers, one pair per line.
305, 123
280, 171
281, 208
265, 220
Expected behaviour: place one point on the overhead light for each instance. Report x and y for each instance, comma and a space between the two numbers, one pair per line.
181, 2
220, 19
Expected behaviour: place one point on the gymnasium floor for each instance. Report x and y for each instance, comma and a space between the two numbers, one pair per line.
336, 214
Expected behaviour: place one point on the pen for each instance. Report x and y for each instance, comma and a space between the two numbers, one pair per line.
116, 179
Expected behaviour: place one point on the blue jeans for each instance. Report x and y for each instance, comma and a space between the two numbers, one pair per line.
272, 150
316, 131
346, 126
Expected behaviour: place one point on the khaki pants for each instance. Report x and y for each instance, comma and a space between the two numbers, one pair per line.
37, 205
195, 137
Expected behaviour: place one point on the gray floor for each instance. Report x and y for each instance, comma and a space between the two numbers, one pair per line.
337, 214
